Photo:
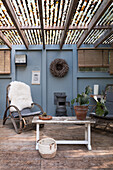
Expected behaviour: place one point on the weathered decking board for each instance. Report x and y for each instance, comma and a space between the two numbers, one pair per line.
18, 151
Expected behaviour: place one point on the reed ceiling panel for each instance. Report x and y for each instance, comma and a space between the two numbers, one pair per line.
52, 36
27, 12
13, 36
109, 40
54, 14
93, 36
107, 18
85, 12
73, 36
33, 36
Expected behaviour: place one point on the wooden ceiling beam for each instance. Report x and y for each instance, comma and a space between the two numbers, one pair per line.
22, 28
93, 48
30, 28
41, 21
45, 28
99, 27
54, 28
63, 28
101, 10
12, 14
3, 37
7, 28
73, 6
104, 36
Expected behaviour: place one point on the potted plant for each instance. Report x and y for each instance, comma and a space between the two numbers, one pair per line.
101, 109
83, 100
44, 116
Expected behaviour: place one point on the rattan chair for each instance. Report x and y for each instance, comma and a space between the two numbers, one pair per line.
106, 121
19, 117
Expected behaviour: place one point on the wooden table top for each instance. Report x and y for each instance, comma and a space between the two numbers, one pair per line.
63, 120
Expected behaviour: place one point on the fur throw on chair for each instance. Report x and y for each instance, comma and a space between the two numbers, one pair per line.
19, 95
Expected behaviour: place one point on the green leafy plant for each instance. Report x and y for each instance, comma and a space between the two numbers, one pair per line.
83, 98
44, 114
101, 109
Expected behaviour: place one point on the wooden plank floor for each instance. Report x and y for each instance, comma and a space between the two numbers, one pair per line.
17, 152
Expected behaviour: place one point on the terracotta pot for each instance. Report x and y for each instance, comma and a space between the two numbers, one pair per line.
81, 112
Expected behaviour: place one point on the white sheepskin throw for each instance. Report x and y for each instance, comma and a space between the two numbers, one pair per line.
19, 95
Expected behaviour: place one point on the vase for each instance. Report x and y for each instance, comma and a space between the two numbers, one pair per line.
81, 112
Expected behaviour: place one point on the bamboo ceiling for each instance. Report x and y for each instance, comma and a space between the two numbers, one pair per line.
56, 22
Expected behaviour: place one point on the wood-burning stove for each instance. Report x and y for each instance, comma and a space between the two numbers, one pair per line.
60, 101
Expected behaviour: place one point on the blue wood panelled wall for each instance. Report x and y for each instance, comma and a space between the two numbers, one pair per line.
39, 60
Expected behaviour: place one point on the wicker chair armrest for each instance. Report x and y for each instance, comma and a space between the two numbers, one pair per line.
38, 106
19, 113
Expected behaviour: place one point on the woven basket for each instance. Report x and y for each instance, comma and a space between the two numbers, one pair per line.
47, 147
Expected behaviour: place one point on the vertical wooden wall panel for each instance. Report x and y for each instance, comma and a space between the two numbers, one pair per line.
105, 58
5, 62
111, 62
1, 61
81, 59
93, 58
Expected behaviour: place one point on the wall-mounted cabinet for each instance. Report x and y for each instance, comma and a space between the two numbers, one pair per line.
21, 60
5, 62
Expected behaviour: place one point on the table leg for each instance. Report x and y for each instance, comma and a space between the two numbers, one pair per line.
89, 136
37, 135
86, 132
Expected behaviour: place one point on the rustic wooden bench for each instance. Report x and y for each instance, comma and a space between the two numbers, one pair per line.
67, 120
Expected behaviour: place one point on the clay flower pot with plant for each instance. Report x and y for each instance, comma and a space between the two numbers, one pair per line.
83, 100
44, 116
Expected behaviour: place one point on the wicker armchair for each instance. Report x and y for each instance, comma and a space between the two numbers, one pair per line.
106, 121
19, 116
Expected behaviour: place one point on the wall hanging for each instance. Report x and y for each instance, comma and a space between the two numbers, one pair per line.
59, 67
35, 77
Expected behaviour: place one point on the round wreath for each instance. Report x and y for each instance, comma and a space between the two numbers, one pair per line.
59, 67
